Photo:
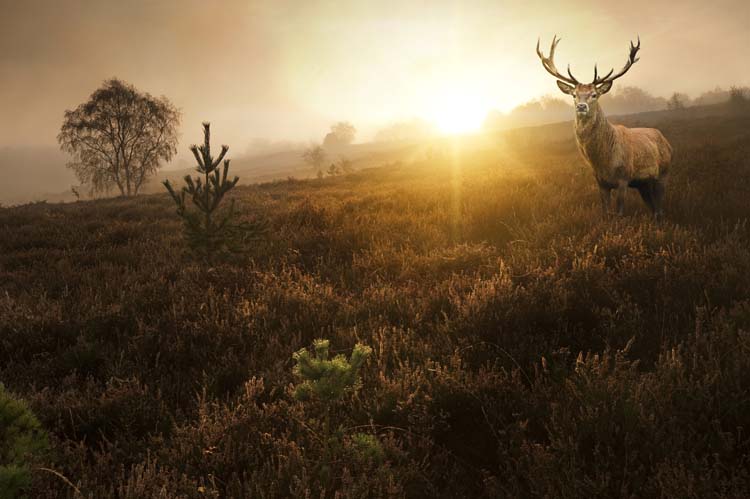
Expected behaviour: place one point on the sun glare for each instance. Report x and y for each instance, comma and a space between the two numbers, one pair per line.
455, 114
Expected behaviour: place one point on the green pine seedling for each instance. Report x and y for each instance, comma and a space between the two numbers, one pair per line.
367, 447
208, 230
324, 379
21, 435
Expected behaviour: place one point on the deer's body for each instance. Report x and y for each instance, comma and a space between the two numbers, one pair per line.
620, 157
619, 154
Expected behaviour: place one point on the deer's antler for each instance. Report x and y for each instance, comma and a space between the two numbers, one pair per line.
632, 59
549, 62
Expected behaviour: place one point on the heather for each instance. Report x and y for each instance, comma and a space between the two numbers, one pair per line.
522, 346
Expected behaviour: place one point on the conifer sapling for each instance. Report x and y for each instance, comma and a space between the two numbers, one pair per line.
328, 379
20, 436
209, 231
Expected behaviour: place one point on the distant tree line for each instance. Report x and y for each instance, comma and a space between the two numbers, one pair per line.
735, 96
627, 100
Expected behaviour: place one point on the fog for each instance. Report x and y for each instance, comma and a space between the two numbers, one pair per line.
284, 70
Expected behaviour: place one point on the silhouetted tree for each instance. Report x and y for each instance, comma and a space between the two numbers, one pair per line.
333, 170
677, 101
119, 137
345, 165
315, 156
738, 96
341, 134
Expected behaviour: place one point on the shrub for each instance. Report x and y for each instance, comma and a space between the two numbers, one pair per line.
328, 379
20, 436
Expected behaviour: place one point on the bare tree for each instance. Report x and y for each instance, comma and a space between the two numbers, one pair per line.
315, 156
119, 137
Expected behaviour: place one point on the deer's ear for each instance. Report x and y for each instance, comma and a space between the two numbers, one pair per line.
604, 88
565, 88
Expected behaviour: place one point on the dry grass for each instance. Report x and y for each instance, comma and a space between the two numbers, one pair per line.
477, 277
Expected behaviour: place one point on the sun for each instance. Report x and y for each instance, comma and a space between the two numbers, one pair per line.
458, 113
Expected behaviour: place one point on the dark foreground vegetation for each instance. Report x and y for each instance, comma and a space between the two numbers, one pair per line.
521, 346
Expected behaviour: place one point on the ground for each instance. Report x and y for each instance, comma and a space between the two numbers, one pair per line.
522, 345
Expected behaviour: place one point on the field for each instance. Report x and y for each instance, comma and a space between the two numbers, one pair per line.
523, 346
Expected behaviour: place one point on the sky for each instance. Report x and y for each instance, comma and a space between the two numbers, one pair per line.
286, 70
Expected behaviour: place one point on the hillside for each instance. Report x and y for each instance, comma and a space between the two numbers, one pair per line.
522, 345
39, 173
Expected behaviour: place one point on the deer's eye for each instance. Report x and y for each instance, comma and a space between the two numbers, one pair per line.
593, 96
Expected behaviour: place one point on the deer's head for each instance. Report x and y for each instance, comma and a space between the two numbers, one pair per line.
585, 95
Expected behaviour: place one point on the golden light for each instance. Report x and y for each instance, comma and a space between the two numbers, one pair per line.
458, 113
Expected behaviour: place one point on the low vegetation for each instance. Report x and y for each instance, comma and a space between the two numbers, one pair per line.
521, 345
21, 437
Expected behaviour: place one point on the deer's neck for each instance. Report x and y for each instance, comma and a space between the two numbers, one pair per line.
595, 137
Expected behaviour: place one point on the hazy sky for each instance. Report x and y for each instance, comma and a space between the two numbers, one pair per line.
287, 69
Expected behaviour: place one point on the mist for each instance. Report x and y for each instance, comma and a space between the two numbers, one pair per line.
277, 73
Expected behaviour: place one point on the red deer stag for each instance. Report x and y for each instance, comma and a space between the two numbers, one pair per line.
621, 157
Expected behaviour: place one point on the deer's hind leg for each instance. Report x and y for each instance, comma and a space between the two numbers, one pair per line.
646, 190
622, 188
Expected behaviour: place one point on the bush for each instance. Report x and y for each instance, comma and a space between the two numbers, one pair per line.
327, 379
21, 436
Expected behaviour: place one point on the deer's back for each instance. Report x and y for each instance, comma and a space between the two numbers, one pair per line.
646, 153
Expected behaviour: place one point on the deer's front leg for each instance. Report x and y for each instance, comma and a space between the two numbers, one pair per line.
604, 195
622, 188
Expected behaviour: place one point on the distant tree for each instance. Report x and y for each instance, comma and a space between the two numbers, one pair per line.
333, 170
677, 101
547, 109
629, 100
119, 137
345, 165
209, 231
709, 97
315, 156
342, 133
738, 96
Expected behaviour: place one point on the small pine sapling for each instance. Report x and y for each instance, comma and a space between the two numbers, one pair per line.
325, 379
21, 435
366, 448
209, 231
